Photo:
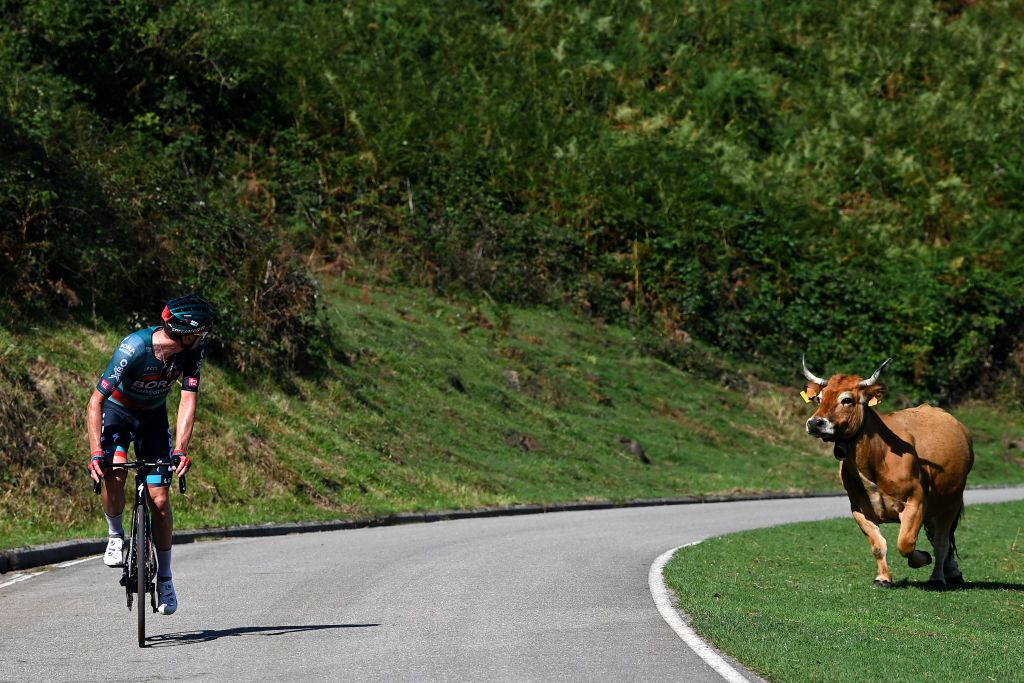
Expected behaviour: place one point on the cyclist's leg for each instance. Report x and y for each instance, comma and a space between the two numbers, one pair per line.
154, 444
159, 494
163, 525
118, 433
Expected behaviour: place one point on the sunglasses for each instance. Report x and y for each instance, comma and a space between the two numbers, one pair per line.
194, 335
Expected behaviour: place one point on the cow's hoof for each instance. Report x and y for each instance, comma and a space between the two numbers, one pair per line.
918, 559
879, 583
937, 584
956, 581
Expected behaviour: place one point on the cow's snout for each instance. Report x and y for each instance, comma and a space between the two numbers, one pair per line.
818, 426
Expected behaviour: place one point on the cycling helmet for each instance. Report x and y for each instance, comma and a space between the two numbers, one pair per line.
185, 315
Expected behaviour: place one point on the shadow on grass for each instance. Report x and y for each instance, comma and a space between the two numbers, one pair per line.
970, 585
207, 635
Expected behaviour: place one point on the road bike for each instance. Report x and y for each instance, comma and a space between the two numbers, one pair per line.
139, 574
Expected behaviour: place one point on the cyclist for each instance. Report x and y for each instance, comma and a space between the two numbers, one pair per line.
129, 406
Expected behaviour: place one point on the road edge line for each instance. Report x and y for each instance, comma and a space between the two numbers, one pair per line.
22, 577
663, 600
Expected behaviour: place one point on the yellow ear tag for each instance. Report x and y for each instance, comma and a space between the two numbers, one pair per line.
873, 401
806, 398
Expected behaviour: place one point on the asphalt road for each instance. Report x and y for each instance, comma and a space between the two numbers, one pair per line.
548, 597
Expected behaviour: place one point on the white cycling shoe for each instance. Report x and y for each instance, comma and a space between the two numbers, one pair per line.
166, 598
114, 555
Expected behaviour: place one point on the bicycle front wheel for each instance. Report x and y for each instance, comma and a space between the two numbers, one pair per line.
142, 552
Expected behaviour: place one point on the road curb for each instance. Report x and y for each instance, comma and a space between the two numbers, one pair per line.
51, 553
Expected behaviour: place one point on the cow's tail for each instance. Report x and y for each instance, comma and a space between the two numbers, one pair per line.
952, 531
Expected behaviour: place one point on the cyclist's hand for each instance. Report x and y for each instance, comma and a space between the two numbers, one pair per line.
96, 466
181, 463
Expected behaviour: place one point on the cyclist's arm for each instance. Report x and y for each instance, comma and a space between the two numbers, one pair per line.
186, 418
127, 354
192, 367
95, 425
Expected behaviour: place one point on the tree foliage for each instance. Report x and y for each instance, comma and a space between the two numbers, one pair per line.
770, 178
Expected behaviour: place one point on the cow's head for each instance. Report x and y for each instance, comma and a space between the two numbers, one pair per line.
842, 400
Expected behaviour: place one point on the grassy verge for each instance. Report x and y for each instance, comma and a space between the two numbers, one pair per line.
796, 603
435, 405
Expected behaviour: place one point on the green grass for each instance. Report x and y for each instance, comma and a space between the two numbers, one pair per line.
796, 603
423, 413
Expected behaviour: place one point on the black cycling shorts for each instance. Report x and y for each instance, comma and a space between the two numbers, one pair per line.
147, 429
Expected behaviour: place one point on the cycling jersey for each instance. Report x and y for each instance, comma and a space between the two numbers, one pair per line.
137, 380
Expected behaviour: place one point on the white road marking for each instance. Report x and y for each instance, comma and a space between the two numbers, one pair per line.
662, 598
74, 562
21, 577
24, 577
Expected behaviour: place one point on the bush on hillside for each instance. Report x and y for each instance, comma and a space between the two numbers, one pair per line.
769, 179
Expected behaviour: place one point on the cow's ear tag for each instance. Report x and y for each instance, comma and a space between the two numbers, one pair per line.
806, 398
873, 401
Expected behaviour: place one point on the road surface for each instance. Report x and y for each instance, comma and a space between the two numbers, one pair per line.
561, 596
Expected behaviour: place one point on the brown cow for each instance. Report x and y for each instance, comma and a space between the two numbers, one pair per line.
909, 467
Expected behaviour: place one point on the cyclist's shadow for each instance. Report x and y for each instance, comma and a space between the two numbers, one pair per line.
206, 635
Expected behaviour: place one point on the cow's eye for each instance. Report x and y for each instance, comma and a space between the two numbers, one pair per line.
848, 401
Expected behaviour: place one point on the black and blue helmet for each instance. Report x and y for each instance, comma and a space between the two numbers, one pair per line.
190, 314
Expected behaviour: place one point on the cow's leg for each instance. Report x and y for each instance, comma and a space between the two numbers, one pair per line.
911, 520
938, 530
954, 577
940, 543
878, 548
946, 572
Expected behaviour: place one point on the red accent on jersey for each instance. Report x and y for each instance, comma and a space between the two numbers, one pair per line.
192, 382
127, 402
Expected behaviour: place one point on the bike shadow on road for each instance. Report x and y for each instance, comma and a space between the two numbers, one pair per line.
207, 635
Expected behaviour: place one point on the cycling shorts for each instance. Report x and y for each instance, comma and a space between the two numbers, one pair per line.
148, 430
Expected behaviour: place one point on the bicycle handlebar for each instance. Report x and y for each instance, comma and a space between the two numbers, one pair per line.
138, 465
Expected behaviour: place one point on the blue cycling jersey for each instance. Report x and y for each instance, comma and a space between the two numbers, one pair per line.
136, 379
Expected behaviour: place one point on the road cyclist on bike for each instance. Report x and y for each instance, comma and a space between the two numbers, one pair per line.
129, 406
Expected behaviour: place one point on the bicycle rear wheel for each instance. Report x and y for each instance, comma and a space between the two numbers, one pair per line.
141, 552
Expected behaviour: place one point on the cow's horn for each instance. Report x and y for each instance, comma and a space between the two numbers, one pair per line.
874, 378
810, 375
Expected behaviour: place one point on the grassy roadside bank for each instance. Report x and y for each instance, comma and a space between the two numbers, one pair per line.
796, 603
434, 405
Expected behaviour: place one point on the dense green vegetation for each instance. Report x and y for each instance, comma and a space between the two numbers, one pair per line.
708, 189
435, 405
796, 603
767, 178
